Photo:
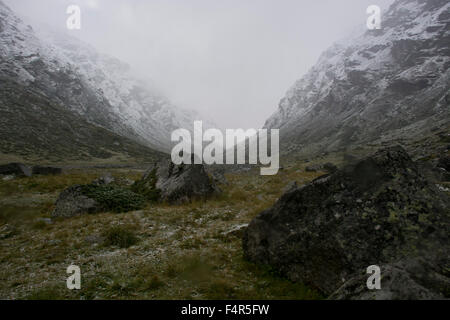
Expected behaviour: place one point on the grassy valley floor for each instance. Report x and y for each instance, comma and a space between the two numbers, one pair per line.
160, 252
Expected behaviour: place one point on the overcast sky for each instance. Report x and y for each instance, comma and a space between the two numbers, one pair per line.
232, 60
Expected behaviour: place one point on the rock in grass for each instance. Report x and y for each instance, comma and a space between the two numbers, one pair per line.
176, 183
104, 180
16, 169
379, 211
84, 199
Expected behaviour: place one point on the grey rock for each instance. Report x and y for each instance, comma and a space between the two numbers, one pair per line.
320, 234
17, 169
72, 202
179, 183
104, 180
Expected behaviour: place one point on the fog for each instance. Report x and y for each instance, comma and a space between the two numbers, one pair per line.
232, 60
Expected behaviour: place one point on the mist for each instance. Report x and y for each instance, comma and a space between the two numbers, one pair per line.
230, 60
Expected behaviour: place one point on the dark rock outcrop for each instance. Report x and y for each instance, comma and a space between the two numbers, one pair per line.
17, 169
39, 170
176, 183
378, 211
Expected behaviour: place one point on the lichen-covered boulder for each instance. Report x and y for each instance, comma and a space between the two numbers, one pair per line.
377, 211
74, 202
176, 183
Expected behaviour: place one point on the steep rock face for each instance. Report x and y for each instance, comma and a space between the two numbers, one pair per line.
390, 81
378, 211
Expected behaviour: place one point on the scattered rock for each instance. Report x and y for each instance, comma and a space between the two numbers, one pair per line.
320, 235
8, 177
73, 202
17, 169
104, 180
176, 183
38, 170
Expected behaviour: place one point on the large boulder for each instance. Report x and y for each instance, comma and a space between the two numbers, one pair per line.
74, 202
377, 211
176, 183
16, 169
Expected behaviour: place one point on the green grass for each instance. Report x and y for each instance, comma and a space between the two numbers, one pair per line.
121, 236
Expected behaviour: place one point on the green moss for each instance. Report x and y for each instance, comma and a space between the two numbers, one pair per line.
114, 198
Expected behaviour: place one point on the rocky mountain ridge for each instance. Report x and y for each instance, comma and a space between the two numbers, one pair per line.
380, 85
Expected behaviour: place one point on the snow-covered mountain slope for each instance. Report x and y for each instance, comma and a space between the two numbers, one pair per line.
96, 87
139, 106
48, 110
380, 83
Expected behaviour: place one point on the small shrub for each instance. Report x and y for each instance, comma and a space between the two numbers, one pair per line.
120, 236
114, 198
147, 187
